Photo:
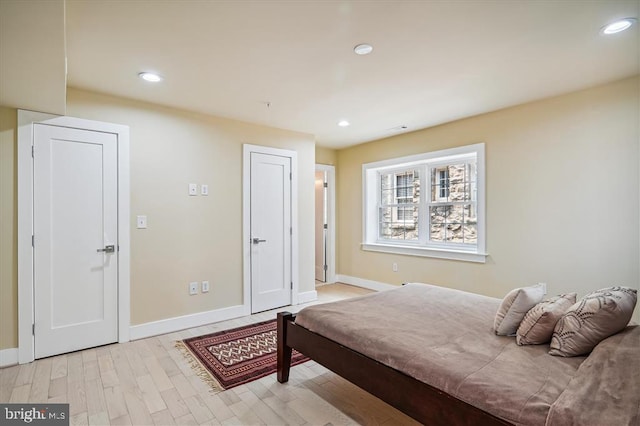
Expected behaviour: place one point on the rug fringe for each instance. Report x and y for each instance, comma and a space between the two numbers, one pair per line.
197, 366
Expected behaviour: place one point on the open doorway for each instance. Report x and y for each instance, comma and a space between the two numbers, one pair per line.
324, 224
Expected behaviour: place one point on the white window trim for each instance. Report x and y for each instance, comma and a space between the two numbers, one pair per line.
370, 172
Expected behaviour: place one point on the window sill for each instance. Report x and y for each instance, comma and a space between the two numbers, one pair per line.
427, 252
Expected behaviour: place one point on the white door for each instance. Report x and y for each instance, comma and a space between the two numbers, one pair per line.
270, 231
75, 239
321, 226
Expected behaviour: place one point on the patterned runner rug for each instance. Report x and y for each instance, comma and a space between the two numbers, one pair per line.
233, 357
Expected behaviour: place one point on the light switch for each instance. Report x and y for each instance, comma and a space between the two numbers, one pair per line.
204, 189
141, 222
193, 189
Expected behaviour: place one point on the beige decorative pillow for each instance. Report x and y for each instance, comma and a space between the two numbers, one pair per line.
537, 326
597, 316
513, 308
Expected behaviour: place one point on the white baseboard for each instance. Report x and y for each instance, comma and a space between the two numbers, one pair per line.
307, 296
8, 357
361, 282
170, 325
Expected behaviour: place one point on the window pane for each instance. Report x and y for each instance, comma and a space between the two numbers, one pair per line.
470, 233
398, 223
453, 224
440, 184
438, 214
402, 187
386, 189
399, 198
436, 233
455, 182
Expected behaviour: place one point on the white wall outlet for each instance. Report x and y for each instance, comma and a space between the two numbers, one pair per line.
193, 288
394, 267
205, 286
141, 222
204, 189
544, 287
193, 189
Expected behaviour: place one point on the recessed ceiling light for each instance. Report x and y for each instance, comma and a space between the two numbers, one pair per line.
363, 49
149, 76
343, 123
618, 26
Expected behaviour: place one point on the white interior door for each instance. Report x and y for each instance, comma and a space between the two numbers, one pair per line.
270, 231
75, 239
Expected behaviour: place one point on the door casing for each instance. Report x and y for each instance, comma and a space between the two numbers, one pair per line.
26, 312
330, 171
246, 219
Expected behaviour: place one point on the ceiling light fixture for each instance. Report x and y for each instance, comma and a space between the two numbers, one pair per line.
149, 76
618, 26
343, 123
363, 49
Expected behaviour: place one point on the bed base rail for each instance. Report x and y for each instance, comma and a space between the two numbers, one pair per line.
419, 400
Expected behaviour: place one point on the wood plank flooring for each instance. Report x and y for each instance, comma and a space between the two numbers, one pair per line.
149, 382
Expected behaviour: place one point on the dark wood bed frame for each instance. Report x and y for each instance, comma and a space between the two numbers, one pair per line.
419, 400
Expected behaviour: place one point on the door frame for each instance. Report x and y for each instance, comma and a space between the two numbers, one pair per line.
26, 301
247, 149
330, 276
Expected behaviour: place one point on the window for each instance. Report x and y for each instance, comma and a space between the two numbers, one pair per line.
398, 206
430, 204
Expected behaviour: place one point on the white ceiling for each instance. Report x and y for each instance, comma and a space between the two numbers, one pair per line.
433, 61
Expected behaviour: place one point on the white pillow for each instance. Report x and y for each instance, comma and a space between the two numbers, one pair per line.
514, 307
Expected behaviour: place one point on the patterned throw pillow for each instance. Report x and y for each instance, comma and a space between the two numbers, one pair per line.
597, 316
537, 326
513, 308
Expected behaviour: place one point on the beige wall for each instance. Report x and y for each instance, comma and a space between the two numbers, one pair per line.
188, 238
32, 55
8, 230
562, 196
326, 156
193, 238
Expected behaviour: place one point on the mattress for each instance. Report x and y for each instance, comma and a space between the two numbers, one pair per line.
444, 337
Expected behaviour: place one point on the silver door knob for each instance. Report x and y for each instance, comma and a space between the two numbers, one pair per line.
258, 241
108, 249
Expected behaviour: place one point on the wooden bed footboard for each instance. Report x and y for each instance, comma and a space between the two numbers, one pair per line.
419, 400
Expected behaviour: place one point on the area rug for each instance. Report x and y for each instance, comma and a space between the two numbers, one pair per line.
233, 357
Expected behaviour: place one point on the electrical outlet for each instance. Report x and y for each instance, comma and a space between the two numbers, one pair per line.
544, 287
193, 189
205, 286
394, 267
193, 288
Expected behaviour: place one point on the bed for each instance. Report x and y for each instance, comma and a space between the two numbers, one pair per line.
430, 352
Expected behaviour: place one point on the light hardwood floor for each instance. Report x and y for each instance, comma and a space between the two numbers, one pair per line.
149, 382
